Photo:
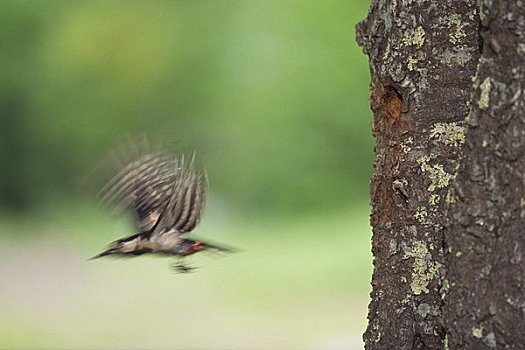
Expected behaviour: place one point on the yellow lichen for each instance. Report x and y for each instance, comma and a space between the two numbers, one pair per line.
414, 37
421, 215
423, 268
445, 287
472, 14
406, 145
439, 178
484, 97
459, 31
411, 63
450, 134
434, 199
477, 332
451, 197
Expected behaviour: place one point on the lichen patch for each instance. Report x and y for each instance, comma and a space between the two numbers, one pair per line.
439, 178
484, 97
451, 134
458, 32
414, 37
477, 332
423, 268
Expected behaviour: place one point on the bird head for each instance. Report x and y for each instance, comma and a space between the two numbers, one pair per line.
189, 247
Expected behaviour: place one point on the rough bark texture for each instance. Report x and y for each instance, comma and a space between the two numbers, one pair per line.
485, 307
447, 191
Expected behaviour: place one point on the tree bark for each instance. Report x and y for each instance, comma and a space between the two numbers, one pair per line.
448, 186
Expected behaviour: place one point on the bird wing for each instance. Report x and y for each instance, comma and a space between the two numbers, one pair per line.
165, 194
187, 201
145, 184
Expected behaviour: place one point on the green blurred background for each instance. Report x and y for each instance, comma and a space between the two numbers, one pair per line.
273, 95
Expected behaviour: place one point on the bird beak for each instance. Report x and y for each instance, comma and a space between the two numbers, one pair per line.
217, 248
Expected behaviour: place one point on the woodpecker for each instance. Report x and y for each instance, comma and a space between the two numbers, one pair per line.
167, 195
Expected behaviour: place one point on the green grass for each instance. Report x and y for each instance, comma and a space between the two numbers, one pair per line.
299, 283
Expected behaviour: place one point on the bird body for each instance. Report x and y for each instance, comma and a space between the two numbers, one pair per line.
167, 196
166, 244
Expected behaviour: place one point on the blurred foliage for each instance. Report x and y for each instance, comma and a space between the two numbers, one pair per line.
272, 94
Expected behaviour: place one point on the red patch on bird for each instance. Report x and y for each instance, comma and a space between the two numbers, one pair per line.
197, 246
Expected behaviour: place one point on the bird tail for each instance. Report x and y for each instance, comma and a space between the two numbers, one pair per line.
123, 246
100, 255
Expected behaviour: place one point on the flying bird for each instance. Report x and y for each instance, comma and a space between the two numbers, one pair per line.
167, 195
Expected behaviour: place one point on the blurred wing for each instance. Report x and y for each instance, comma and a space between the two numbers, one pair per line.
187, 201
144, 185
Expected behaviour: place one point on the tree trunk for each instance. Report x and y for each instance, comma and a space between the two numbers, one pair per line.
448, 96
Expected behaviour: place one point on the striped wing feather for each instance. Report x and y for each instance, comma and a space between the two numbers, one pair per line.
187, 202
164, 193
